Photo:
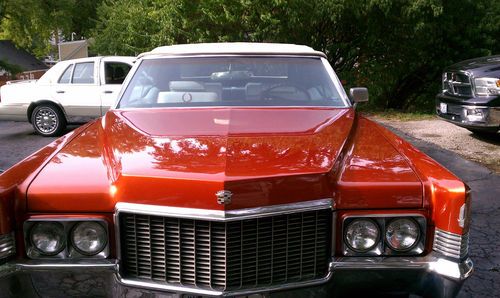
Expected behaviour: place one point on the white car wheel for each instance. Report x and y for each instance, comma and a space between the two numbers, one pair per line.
48, 121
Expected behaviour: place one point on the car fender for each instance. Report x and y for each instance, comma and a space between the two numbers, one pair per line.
15, 181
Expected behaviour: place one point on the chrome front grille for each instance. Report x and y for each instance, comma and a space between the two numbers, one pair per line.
450, 244
226, 255
456, 83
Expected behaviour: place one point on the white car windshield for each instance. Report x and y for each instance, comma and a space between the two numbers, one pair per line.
232, 81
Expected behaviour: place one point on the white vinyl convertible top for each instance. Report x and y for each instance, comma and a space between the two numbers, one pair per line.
236, 48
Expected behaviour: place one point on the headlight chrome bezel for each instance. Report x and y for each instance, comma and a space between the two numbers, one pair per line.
417, 239
62, 234
382, 248
69, 251
79, 249
357, 220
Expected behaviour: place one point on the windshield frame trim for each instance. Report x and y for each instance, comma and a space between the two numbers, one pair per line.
329, 69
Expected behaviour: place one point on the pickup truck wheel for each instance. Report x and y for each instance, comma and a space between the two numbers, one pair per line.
48, 120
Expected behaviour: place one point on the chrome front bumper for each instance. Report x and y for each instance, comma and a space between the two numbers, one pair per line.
430, 275
458, 114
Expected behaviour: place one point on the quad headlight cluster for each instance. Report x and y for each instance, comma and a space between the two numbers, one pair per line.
384, 235
66, 238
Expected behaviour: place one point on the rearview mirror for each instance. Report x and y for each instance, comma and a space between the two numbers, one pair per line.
358, 94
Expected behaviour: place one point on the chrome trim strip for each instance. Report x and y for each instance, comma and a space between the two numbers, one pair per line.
149, 55
7, 245
199, 291
382, 249
76, 265
322, 56
431, 263
450, 244
241, 107
220, 215
334, 234
384, 215
336, 81
69, 252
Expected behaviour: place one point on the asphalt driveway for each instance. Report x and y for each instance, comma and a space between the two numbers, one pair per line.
482, 148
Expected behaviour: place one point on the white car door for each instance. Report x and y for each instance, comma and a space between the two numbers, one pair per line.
112, 75
77, 90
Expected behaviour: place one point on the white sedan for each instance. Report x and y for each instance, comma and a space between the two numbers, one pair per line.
73, 91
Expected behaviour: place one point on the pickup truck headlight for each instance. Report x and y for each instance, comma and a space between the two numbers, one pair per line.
89, 238
402, 234
487, 86
48, 237
362, 235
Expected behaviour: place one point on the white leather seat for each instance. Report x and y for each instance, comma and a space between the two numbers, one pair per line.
314, 94
253, 91
214, 87
190, 86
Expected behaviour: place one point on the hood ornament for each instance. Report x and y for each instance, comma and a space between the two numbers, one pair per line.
224, 197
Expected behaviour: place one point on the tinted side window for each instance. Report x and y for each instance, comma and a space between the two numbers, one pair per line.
66, 76
115, 72
84, 73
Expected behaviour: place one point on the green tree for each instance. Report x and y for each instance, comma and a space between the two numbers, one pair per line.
11, 69
396, 48
130, 27
31, 24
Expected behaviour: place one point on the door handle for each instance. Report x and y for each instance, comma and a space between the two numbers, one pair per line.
108, 91
60, 91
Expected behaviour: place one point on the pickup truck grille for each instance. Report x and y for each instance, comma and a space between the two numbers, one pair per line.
225, 256
455, 83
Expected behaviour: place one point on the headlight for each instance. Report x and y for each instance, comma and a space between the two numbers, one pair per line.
89, 238
476, 114
402, 234
362, 235
487, 86
48, 237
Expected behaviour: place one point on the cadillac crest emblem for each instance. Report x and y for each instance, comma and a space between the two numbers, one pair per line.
224, 197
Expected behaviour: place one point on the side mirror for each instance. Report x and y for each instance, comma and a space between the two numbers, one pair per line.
358, 94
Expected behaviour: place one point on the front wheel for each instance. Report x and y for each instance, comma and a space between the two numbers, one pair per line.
48, 120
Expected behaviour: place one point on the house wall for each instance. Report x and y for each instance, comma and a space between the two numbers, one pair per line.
27, 75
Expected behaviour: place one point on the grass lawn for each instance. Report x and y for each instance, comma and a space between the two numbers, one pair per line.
393, 115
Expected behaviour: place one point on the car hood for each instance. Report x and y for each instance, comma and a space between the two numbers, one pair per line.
182, 157
479, 67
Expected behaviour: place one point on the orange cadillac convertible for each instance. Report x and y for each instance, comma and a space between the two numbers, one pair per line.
232, 170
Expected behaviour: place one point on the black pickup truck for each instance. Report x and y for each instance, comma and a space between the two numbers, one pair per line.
470, 96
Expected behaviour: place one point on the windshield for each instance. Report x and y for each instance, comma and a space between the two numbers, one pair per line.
231, 81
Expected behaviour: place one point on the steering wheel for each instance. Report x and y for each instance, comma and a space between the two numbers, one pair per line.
267, 94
